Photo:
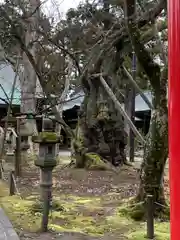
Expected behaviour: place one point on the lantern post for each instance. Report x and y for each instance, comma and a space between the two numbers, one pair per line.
174, 114
46, 160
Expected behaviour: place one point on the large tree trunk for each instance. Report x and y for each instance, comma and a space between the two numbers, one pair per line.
156, 151
101, 126
156, 147
29, 78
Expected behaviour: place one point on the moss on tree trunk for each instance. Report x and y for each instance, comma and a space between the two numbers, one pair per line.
156, 148
101, 128
155, 154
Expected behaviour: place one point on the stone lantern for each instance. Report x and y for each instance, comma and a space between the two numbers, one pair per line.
11, 134
46, 160
25, 130
11, 141
47, 149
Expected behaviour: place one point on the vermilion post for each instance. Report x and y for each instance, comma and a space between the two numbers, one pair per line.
174, 114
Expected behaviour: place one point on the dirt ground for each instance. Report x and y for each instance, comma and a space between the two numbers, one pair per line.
90, 200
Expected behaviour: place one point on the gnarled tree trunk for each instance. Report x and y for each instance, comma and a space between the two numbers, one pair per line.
156, 147
101, 126
156, 151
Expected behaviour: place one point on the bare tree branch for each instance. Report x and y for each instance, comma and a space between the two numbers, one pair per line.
66, 51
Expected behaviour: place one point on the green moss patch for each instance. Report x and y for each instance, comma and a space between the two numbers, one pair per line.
162, 232
137, 211
94, 162
76, 214
49, 137
19, 212
85, 200
66, 216
37, 207
3, 189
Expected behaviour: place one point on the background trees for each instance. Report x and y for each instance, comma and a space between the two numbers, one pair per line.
98, 40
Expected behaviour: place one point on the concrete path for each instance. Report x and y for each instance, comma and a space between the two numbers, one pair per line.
7, 231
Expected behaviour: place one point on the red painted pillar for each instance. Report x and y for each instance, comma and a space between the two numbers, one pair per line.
174, 114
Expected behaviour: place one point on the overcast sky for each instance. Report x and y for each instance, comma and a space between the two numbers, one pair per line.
63, 5
66, 4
